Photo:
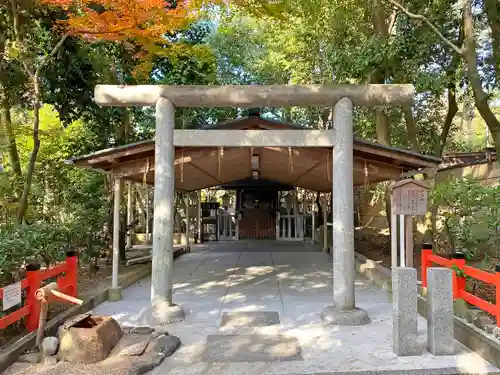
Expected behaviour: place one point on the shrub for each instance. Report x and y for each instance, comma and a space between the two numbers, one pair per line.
45, 243
468, 213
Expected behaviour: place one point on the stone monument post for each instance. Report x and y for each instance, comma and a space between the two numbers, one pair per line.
440, 336
404, 311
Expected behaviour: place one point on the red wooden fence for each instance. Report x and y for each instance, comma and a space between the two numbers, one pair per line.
459, 281
67, 284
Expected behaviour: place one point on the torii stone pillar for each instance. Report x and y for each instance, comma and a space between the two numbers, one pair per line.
344, 310
163, 309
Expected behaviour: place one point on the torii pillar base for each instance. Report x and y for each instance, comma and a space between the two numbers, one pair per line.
334, 316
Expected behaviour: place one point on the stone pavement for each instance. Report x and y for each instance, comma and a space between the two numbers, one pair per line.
294, 281
289, 284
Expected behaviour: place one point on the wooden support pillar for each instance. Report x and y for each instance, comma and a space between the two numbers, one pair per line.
325, 226
409, 240
296, 216
115, 291
402, 242
278, 225
394, 240
313, 219
198, 216
147, 211
188, 226
130, 212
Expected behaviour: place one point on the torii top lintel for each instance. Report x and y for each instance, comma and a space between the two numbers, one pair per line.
245, 96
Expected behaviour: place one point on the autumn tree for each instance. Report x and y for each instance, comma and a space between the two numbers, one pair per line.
144, 29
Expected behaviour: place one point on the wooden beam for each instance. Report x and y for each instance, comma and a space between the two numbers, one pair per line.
398, 156
108, 156
254, 95
320, 155
139, 166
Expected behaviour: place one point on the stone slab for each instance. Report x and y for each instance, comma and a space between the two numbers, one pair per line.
422, 371
404, 311
165, 345
251, 348
440, 311
142, 330
249, 318
135, 349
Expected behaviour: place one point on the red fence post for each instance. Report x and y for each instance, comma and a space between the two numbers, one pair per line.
34, 276
425, 263
72, 273
459, 281
497, 293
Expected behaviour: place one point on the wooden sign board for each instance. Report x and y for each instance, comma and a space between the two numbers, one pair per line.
11, 296
409, 197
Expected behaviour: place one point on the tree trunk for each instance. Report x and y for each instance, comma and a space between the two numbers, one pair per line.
23, 203
480, 96
10, 139
452, 96
493, 13
122, 128
382, 127
382, 124
452, 111
411, 128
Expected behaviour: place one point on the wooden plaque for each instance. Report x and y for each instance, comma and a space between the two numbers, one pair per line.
409, 197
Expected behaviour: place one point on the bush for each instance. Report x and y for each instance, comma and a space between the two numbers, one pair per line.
45, 243
469, 216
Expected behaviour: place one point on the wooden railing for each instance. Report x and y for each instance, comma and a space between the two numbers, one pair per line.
67, 284
461, 270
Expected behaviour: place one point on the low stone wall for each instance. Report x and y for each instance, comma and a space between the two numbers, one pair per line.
472, 327
180, 239
142, 239
374, 271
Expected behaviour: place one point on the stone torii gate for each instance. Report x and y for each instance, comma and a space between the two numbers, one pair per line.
340, 139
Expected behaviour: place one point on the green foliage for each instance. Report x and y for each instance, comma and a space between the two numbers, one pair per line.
68, 206
43, 243
469, 214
